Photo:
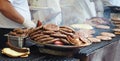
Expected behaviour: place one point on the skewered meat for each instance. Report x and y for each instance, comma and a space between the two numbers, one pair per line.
48, 32
41, 37
59, 35
50, 41
74, 41
103, 26
94, 39
51, 27
108, 34
104, 37
51, 33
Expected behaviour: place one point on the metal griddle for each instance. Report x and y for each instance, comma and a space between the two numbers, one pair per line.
35, 55
80, 52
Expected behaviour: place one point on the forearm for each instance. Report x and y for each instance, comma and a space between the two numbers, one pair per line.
10, 12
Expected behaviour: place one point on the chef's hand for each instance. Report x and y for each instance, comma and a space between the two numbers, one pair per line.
29, 24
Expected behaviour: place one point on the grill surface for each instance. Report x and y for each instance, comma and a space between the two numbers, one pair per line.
85, 51
36, 56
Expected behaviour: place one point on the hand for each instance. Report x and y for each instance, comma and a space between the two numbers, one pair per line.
29, 24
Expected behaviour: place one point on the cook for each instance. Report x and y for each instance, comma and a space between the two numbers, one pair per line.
107, 9
13, 14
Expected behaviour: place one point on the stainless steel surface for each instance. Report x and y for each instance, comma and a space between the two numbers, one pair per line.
16, 41
55, 52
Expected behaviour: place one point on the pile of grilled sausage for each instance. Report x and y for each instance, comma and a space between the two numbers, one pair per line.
59, 35
52, 34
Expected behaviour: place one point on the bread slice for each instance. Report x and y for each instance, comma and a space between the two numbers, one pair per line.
12, 53
81, 26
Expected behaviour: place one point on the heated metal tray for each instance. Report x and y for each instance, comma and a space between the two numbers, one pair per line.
85, 51
17, 41
57, 50
36, 56
76, 49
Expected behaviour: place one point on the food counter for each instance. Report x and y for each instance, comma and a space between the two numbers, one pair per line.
103, 51
36, 56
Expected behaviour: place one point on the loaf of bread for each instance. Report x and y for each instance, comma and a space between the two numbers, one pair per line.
12, 53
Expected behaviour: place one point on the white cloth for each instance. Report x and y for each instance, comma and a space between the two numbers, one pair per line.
46, 11
91, 7
99, 7
77, 12
72, 11
115, 2
22, 7
111, 2
29, 24
55, 6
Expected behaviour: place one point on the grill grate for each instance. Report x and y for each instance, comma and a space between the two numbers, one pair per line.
36, 56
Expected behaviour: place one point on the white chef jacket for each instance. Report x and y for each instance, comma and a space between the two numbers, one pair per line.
22, 7
72, 11
49, 11
111, 2
77, 12
115, 2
